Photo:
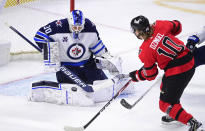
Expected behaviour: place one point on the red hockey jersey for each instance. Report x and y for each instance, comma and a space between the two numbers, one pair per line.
165, 50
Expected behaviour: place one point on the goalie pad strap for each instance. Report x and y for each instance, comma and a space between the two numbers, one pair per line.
45, 83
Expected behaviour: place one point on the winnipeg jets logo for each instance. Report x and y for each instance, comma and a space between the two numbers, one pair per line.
76, 51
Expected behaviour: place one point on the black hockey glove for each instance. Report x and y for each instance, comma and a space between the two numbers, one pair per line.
191, 42
133, 76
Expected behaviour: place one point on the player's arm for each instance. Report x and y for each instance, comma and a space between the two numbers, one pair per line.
144, 73
197, 38
42, 36
149, 70
97, 47
174, 26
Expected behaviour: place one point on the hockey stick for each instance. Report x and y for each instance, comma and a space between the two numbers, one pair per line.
73, 77
130, 106
69, 128
22, 36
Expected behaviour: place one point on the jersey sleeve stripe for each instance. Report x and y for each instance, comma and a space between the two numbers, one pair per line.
44, 35
149, 68
92, 48
39, 40
174, 25
95, 53
153, 75
179, 25
140, 76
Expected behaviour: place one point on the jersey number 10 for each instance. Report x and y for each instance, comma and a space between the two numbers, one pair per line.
171, 46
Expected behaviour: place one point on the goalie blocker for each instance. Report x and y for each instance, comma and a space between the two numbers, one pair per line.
51, 56
72, 94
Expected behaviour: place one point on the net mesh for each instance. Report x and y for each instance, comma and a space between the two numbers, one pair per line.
10, 3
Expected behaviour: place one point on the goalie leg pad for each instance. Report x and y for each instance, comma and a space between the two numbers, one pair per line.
45, 91
52, 92
130, 88
104, 90
74, 95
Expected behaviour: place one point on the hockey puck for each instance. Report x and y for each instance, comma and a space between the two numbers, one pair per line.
74, 89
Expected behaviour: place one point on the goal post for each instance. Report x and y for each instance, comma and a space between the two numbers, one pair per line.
72, 5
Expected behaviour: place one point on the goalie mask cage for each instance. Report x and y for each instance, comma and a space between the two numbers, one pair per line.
22, 15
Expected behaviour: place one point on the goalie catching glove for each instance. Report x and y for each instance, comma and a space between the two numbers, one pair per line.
111, 63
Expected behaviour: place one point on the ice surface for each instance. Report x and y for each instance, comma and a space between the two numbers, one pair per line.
112, 18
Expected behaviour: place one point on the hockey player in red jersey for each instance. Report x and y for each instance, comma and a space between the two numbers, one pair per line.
161, 47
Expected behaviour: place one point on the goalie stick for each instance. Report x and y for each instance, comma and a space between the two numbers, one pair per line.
69, 128
124, 103
73, 77
22, 36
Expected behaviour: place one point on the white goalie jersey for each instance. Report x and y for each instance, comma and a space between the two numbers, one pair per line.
74, 52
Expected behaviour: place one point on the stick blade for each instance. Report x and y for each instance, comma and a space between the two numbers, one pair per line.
69, 128
125, 104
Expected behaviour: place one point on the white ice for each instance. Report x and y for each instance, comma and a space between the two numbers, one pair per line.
112, 18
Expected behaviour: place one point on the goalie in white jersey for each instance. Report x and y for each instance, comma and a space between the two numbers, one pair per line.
74, 42
78, 40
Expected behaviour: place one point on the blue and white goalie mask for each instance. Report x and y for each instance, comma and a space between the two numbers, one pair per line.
76, 21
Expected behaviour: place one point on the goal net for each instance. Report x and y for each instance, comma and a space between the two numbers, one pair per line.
27, 16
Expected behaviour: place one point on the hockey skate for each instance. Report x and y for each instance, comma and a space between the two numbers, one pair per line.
195, 125
167, 120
